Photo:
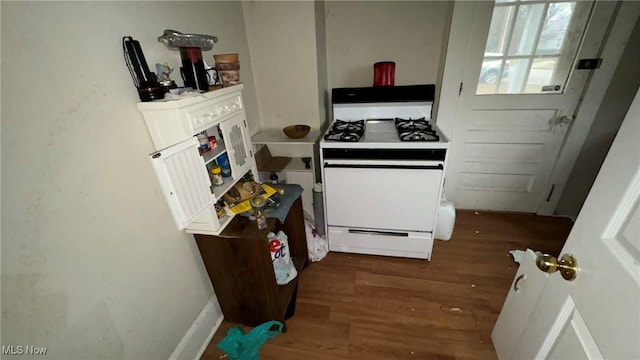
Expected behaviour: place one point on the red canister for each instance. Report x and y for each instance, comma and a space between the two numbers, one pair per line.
384, 73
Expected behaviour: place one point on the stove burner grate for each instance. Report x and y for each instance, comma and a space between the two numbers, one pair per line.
346, 130
415, 130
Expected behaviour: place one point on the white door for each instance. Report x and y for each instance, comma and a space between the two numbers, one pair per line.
597, 315
517, 98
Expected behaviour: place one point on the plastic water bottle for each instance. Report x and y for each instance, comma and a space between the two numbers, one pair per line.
281, 269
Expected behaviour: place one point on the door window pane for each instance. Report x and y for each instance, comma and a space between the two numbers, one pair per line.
540, 74
555, 27
525, 31
531, 47
500, 21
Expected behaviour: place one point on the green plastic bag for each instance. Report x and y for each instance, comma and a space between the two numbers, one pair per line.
240, 346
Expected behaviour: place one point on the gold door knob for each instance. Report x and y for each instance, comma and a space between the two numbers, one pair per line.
567, 265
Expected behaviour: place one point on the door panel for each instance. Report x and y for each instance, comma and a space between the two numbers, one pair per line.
596, 315
574, 340
513, 120
503, 167
627, 240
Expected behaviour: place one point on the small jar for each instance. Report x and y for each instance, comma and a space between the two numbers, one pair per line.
258, 203
273, 178
216, 174
213, 143
204, 142
261, 220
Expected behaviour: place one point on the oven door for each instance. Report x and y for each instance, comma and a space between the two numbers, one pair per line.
371, 194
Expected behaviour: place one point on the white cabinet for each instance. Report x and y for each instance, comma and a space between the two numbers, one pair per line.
182, 171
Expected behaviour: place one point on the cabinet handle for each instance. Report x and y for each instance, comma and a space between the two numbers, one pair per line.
377, 232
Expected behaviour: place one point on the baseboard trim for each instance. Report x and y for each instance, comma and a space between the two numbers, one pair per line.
197, 338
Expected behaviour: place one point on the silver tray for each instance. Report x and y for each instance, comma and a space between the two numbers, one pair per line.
176, 39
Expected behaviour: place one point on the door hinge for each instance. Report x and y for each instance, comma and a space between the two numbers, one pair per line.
156, 155
250, 153
245, 123
460, 90
553, 186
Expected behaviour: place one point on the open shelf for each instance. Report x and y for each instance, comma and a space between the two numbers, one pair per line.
215, 152
285, 292
273, 136
218, 191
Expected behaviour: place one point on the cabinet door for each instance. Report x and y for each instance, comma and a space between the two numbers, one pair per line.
238, 142
183, 178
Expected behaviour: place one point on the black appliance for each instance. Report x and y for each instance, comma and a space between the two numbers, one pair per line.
144, 80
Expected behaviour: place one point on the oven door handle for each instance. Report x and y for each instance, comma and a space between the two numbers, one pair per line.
378, 232
372, 166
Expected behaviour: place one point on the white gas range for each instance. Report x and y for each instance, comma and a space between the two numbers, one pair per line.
383, 164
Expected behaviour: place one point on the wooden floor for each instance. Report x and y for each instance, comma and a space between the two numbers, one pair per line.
372, 307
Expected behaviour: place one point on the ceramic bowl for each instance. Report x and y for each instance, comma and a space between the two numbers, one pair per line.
297, 131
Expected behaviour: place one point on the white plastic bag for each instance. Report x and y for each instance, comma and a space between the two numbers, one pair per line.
316, 245
280, 256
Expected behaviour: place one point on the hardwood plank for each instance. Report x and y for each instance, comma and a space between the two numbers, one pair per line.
411, 315
353, 306
275, 352
368, 342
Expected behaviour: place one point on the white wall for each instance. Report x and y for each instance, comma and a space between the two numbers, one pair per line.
282, 39
321, 54
301, 49
92, 264
361, 33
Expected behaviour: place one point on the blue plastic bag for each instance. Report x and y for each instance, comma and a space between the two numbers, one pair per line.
240, 346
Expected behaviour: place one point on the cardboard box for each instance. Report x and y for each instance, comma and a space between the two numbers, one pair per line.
266, 162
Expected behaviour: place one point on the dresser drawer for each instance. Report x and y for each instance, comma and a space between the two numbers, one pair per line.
205, 115
172, 121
